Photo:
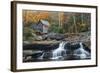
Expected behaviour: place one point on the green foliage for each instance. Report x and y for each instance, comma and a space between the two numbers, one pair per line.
81, 24
28, 34
56, 29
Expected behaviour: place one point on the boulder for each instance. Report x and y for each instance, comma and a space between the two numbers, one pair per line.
54, 36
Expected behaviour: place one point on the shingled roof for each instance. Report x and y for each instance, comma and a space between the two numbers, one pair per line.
44, 22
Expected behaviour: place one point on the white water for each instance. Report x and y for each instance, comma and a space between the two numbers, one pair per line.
82, 53
59, 52
41, 57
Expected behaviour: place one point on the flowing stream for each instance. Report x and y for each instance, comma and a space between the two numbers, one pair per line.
59, 52
81, 52
63, 52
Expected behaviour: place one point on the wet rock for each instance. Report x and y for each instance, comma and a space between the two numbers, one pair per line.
40, 46
28, 55
36, 55
47, 55
54, 36
67, 51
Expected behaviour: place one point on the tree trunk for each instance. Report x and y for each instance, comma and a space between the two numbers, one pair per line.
74, 20
60, 19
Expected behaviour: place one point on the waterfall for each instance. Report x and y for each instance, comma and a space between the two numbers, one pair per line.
81, 52
59, 52
41, 57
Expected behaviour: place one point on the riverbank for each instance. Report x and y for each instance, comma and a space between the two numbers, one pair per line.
72, 38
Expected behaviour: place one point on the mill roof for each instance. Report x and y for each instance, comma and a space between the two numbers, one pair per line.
45, 22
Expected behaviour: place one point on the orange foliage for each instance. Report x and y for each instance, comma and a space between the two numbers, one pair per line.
34, 16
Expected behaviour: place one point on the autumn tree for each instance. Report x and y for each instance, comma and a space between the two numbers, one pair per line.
34, 16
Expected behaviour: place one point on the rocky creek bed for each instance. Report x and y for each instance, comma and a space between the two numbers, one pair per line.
43, 50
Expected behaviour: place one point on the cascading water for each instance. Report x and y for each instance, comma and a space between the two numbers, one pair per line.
81, 52
59, 52
41, 57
